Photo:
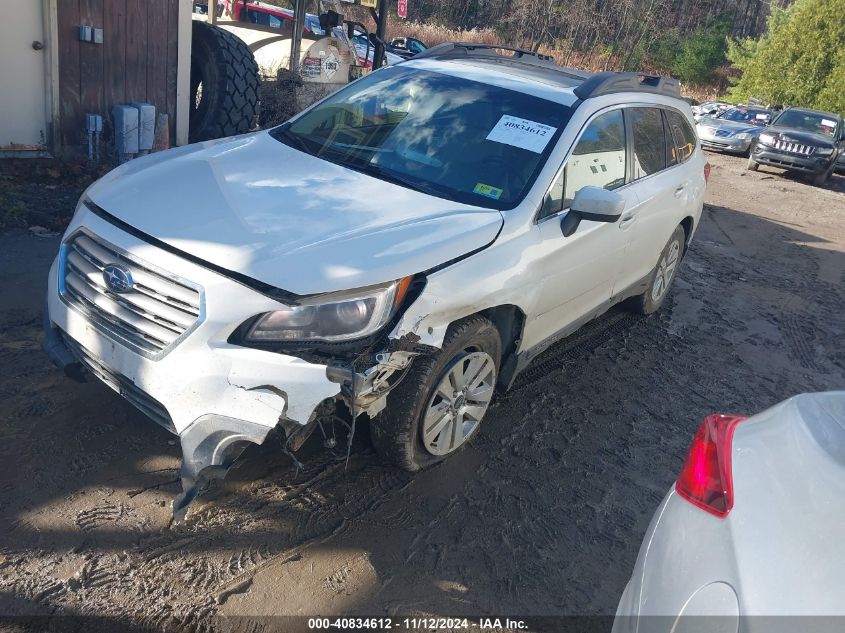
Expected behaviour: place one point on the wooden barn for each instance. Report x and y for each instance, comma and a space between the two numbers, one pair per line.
61, 60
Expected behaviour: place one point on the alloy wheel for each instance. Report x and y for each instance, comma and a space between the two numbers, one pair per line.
459, 403
665, 271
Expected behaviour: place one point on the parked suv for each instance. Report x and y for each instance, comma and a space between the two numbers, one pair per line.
801, 140
402, 249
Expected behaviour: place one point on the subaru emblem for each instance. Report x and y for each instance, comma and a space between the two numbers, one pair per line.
117, 278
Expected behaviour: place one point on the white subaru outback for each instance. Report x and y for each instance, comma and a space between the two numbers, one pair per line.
404, 248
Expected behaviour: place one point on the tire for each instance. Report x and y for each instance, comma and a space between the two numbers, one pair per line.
397, 433
649, 302
820, 179
225, 70
752, 165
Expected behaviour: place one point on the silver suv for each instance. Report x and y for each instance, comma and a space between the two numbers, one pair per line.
402, 249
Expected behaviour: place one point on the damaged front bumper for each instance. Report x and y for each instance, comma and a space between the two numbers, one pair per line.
213, 441
217, 397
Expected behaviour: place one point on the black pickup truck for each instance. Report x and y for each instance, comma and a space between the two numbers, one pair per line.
801, 140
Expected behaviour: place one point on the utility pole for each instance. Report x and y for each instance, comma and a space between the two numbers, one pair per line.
298, 27
381, 28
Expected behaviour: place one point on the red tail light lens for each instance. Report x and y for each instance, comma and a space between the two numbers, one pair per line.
706, 479
706, 172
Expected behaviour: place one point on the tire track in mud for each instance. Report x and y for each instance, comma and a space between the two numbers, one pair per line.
803, 317
99, 515
227, 541
612, 325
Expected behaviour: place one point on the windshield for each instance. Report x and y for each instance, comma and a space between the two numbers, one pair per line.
814, 122
755, 116
450, 137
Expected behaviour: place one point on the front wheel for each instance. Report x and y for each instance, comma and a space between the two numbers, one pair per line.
440, 404
663, 275
753, 165
820, 179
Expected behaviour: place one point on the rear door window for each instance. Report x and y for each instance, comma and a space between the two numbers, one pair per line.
682, 138
649, 141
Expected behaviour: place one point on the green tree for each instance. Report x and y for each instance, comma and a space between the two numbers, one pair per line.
690, 57
799, 60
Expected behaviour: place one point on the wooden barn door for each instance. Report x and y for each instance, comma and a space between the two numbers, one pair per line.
136, 62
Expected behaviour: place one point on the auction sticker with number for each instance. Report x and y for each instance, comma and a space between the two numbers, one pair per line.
522, 133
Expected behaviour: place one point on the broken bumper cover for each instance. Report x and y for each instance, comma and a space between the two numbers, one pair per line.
216, 396
209, 444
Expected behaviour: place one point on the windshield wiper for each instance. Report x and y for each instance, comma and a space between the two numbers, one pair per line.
397, 179
366, 148
284, 135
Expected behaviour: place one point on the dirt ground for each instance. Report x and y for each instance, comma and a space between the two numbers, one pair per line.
543, 514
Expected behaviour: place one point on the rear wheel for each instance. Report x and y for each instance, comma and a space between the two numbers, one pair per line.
663, 275
440, 404
224, 84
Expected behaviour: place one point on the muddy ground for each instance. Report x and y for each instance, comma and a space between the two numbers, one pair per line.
542, 515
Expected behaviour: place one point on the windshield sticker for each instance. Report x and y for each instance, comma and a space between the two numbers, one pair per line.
330, 65
487, 190
522, 133
828, 123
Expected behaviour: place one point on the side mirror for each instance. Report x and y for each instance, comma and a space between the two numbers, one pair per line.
594, 204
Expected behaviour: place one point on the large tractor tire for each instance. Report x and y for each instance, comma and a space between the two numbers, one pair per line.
224, 84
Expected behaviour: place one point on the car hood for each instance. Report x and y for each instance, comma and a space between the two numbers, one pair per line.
805, 138
255, 206
732, 126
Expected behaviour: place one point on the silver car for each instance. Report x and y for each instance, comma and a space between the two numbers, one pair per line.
754, 526
733, 130
709, 108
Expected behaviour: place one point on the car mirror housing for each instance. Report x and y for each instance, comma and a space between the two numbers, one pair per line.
595, 204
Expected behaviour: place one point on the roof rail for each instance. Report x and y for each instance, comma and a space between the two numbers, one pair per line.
471, 49
610, 82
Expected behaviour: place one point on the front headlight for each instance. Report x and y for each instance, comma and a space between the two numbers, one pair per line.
743, 136
332, 318
824, 151
766, 139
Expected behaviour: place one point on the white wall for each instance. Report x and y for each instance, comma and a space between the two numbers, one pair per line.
23, 94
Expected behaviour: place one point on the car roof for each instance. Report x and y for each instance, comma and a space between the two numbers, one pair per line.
750, 107
536, 74
536, 82
811, 111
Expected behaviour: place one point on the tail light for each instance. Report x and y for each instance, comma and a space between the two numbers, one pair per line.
706, 172
706, 480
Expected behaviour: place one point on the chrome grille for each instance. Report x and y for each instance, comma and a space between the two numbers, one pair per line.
148, 405
152, 316
794, 148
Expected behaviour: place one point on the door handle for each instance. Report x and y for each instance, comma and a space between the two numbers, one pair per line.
679, 191
627, 220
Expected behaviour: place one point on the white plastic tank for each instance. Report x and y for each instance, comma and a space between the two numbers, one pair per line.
326, 61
